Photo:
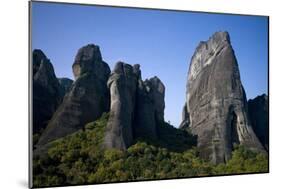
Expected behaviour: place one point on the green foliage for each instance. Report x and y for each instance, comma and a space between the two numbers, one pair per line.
171, 138
80, 159
244, 161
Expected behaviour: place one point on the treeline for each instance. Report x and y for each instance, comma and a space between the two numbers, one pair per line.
80, 159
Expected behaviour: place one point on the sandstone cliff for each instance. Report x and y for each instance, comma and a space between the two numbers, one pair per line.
46, 91
149, 108
65, 84
137, 106
216, 106
258, 112
87, 99
122, 83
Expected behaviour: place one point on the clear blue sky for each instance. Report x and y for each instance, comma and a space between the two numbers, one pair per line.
162, 42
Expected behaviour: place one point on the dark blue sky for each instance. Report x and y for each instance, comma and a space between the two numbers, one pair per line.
162, 42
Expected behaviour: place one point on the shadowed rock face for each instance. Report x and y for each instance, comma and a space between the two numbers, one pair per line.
216, 108
123, 84
65, 84
149, 108
87, 99
185, 118
258, 112
46, 91
137, 106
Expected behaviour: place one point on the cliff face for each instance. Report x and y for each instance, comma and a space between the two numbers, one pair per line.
87, 99
149, 108
65, 84
216, 107
46, 91
258, 112
136, 106
122, 83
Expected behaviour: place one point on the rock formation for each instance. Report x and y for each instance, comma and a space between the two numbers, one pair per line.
149, 108
87, 99
137, 106
185, 117
65, 84
122, 83
46, 91
258, 113
216, 107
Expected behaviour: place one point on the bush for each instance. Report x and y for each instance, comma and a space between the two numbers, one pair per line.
80, 159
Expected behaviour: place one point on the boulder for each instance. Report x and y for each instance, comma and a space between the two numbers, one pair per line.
46, 91
87, 99
216, 101
258, 112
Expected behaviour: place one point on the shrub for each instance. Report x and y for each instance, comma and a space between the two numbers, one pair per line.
80, 159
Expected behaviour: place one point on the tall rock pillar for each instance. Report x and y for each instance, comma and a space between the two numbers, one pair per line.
216, 101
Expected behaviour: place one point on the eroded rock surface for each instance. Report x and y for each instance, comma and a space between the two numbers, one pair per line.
87, 99
137, 106
123, 84
258, 112
46, 91
185, 118
216, 101
65, 84
149, 108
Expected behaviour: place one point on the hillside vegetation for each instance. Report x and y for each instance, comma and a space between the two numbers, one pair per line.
80, 159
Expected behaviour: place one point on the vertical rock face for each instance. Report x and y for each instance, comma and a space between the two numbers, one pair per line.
185, 118
258, 112
137, 106
216, 107
149, 108
87, 60
87, 99
123, 84
46, 90
65, 84
158, 94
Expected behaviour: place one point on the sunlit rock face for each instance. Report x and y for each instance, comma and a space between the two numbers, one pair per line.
216, 107
87, 98
88, 59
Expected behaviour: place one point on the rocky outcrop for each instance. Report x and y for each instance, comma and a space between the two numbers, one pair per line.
150, 107
137, 106
65, 84
258, 113
46, 91
123, 84
216, 105
87, 99
185, 118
